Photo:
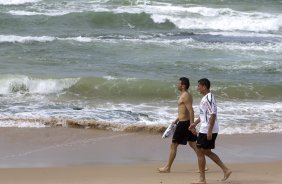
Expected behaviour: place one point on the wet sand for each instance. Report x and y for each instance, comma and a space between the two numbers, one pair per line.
70, 155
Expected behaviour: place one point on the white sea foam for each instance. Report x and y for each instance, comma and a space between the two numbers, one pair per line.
234, 117
79, 39
263, 47
17, 2
24, 84
223, 23
245, 34
224, 19
210, 18
110, 78
56, 10
275, 47
115, 78
250, 117
21, 124
25, 39
31, 13
252, 65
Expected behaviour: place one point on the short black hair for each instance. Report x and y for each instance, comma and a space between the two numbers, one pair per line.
205, 82
185, 81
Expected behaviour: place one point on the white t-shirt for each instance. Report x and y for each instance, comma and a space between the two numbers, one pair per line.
208, 107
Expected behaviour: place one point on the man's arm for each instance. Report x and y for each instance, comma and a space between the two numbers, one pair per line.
188, 104
193, 125
176, 120
212, 121
212, 110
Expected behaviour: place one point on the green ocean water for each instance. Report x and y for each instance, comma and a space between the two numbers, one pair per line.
119, 61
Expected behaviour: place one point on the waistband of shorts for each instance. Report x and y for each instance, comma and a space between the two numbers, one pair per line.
187, 121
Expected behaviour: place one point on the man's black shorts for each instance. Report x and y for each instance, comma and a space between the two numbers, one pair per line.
182, 134
203, 142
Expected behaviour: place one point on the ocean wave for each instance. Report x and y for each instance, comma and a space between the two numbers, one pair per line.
30, 13
249, 91
243, 66
245, 34
24, 84
235, 115
257, 66
31, 39
128, 89
182, 16
25, 39
192, 41
240, 117
222, 19
247, 46
149, 89
91, 87
17, 2
232, 120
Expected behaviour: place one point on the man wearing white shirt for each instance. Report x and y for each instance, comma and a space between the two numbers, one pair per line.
208, 131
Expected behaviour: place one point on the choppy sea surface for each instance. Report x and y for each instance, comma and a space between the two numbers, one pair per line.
115, 63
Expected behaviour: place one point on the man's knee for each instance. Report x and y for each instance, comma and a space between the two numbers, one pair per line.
192, 144
173, 145
200, 152
206, 152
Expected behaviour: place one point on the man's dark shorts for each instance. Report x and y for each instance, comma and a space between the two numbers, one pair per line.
182, 135
203, 142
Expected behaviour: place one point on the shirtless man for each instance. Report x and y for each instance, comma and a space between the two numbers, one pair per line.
182, 134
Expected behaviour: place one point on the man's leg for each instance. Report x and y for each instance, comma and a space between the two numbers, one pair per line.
172, 155
202, 166
193, 145
217, 160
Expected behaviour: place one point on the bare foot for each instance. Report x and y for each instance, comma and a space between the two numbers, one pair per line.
226, 175
206, 169
199, 182
164, 170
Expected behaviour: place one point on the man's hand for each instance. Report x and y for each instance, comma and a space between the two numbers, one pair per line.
175, 121
193, 130
192, 126
209, 135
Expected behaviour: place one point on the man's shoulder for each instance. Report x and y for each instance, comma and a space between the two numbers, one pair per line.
209, 99
208, 96
187, 96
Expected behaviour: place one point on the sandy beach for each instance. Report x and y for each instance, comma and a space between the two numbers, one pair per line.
89, 86
70, 155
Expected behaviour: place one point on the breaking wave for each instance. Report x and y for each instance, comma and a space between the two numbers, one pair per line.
129, 88
168, 15
17, 2
24, 84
